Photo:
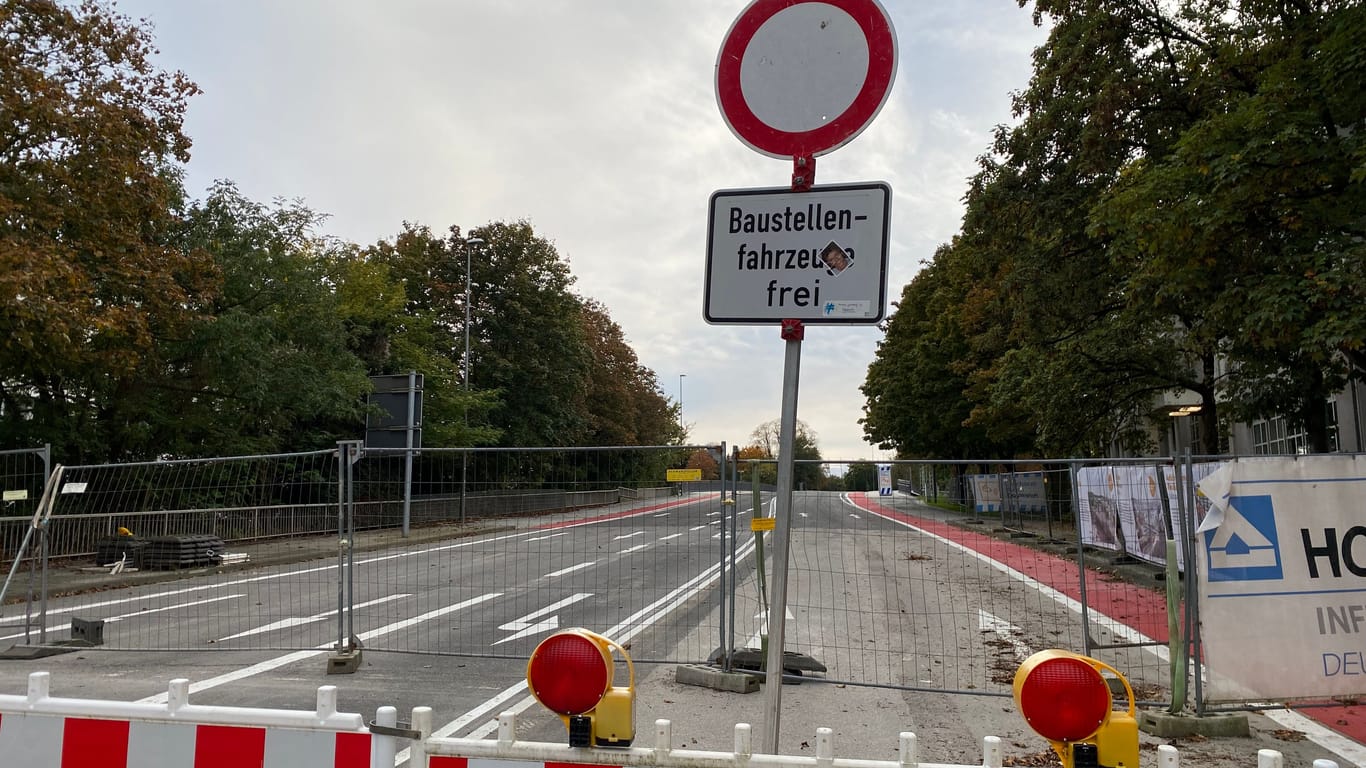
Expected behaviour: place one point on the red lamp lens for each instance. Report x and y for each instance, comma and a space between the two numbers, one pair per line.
1064, 699
569, 673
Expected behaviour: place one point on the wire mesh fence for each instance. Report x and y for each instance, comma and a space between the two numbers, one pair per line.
591, 537
950, 583
23, 473
945, 585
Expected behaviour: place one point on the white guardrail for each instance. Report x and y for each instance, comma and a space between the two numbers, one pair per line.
42, 731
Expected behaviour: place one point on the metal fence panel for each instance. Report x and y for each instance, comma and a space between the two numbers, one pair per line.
508, 545
241, 537
22, 475
925, 590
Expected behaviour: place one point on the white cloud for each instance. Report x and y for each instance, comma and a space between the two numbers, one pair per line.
596, 121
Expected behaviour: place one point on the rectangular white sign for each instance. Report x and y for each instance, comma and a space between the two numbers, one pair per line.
818, 256
1282, 576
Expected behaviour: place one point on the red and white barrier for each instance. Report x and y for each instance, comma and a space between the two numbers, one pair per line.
41, 731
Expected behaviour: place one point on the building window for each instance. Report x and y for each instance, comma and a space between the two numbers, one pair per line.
1273, 436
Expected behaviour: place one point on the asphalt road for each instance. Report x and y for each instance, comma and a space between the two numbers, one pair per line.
647, 577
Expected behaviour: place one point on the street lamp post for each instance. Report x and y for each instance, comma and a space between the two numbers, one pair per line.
681, 424
470, 244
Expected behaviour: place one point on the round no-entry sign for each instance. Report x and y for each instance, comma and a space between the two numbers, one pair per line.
803, 77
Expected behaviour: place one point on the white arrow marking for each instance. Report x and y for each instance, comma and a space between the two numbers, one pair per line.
756, 639
1005, 630
527, 625
298, 622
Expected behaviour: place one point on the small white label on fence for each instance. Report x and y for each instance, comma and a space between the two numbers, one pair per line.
73, 488
15, 495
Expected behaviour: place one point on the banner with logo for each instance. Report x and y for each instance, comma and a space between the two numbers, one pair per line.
1282, 578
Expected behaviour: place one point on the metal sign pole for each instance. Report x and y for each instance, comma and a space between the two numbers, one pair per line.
777, 607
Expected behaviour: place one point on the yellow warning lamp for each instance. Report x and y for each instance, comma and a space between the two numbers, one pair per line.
1065, 699
571, 673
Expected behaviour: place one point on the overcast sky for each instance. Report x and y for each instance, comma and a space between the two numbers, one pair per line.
597, 122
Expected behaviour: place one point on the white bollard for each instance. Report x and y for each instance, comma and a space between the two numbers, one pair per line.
1168, 757
327, 702
744, 744
422, 723
908, 750
992, 754
1325, 764
1269, 758
383, 748
177, 694
37, 687
825, 747
663, 736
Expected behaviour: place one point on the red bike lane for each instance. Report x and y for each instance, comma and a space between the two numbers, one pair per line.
1142, 610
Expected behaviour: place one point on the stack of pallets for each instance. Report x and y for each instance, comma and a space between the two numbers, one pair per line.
172, 552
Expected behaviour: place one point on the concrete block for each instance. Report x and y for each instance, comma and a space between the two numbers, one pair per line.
716, 679
1169, 726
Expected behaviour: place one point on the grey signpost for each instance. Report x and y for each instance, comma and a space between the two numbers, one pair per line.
399, 426
798, 80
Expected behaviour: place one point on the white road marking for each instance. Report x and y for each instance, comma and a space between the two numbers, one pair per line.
527, 625
290, 658
570, 569
697, 527
636, 548
299, 621
628, 535
670, 536
756, 640
550, 536
1324, 737
135, 614
1006, 631
625, 630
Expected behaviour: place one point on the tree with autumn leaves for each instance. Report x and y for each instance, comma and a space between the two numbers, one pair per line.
1181, 206
136, 323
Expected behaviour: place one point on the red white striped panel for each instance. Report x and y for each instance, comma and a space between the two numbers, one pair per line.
46, 741
482, 762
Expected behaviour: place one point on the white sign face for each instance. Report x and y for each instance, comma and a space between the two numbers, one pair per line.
1282, 572
817, 256
798, 78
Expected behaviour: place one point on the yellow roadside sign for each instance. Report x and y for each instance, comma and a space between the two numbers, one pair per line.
763, 523
682, 475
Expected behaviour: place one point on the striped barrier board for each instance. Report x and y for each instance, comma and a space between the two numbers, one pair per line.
41, 731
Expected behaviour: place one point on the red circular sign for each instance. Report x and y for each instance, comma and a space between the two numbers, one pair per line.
773, 86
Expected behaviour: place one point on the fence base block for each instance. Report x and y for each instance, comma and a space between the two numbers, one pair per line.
716, 679
1169, 726
344, 662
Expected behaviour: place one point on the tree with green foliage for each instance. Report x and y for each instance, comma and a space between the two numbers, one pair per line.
270, 367
424, 333
861, 476
768, 438
90, 282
